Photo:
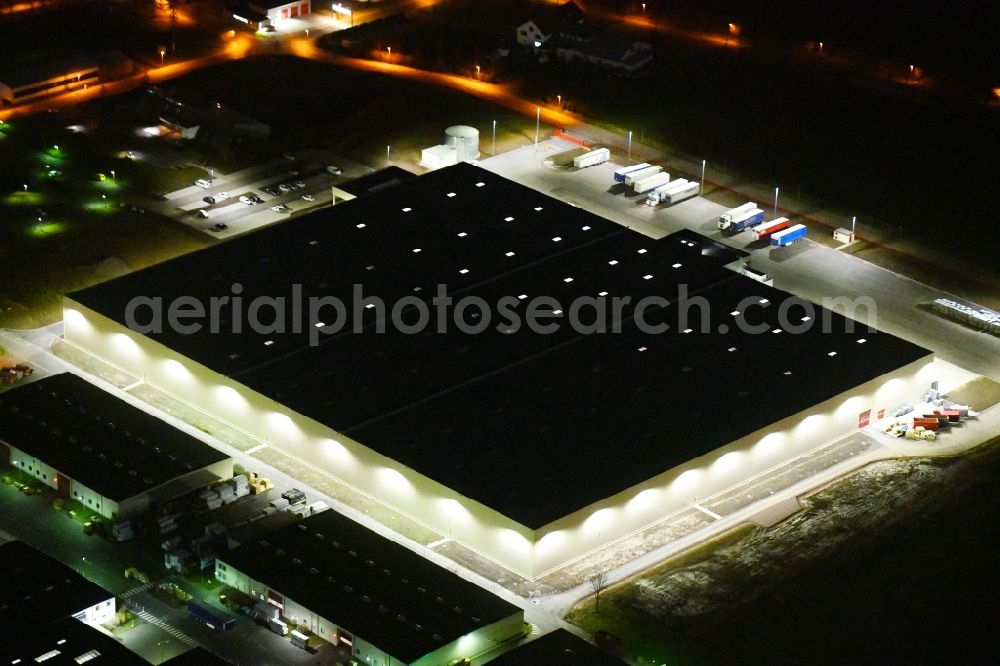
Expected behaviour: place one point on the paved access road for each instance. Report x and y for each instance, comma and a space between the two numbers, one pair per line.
807, 269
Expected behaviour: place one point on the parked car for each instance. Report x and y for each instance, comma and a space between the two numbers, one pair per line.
281, 208
202, 213
285, 187
208, 200
201, 182
309, 197
335, 170
244, 199
298, 184
256, 199
220, 226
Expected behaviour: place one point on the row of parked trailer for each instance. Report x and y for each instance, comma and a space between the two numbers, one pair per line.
778, 232
653, 181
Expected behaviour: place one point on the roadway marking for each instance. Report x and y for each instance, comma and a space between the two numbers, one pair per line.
136, 590
707, 512
176, 633
255, 449
439, 542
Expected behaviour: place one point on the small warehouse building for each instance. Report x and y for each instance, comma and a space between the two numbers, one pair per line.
355, 588
614, 432
45, 610
281, 10
99, 450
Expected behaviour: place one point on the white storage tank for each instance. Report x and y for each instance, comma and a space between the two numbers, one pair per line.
465, 141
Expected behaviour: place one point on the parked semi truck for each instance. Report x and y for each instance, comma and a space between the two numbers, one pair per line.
633, 176
743, 221
624, 171
687, 191
593, 158
669, 193
659, 193
788, 236
764, 230
726, 218
651, 182
214, 619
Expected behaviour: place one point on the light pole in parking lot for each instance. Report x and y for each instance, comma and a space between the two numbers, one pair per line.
387, 154
494, 152
629, 158
701, 188
776, 202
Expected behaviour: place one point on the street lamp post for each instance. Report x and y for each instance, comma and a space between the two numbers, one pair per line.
389, 50
387, 154
559, 97
112, 174
478, 77
701, 188
776, 202
538, 120
494, 151
163, 52
854, 222
629, 158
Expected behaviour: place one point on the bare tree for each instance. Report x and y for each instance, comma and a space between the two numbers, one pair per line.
598, 581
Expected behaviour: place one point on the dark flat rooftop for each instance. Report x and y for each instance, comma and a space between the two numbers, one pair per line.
38, 589
97, 439
557, 648
373, 587
508, 417
66, 641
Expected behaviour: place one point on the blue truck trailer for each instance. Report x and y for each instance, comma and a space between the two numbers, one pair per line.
788, 236
214, 619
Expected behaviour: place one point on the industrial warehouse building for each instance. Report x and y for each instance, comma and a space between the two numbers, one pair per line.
110, 456
357, 589
531, 449
47, 607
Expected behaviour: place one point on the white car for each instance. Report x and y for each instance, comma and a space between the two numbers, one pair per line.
222, 196
309, 197
335, 170
202, 183
244, 199
281, 208
285, 187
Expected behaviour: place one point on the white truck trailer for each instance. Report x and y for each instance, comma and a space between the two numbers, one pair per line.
651, 182
626, 170
633, 176
689, 190
727, 218
593, 158
659, 195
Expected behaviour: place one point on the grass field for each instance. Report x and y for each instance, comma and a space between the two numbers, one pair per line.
66, 229
900, 549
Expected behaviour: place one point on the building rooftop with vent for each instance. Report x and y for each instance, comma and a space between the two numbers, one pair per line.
48, 606
352, 586
100, 450
509, 440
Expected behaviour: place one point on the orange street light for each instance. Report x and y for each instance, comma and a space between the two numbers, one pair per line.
163, 52
477, 71
734, 29
559, 97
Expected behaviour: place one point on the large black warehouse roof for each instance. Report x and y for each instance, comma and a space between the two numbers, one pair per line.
507, 417
375, 588
97, 439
